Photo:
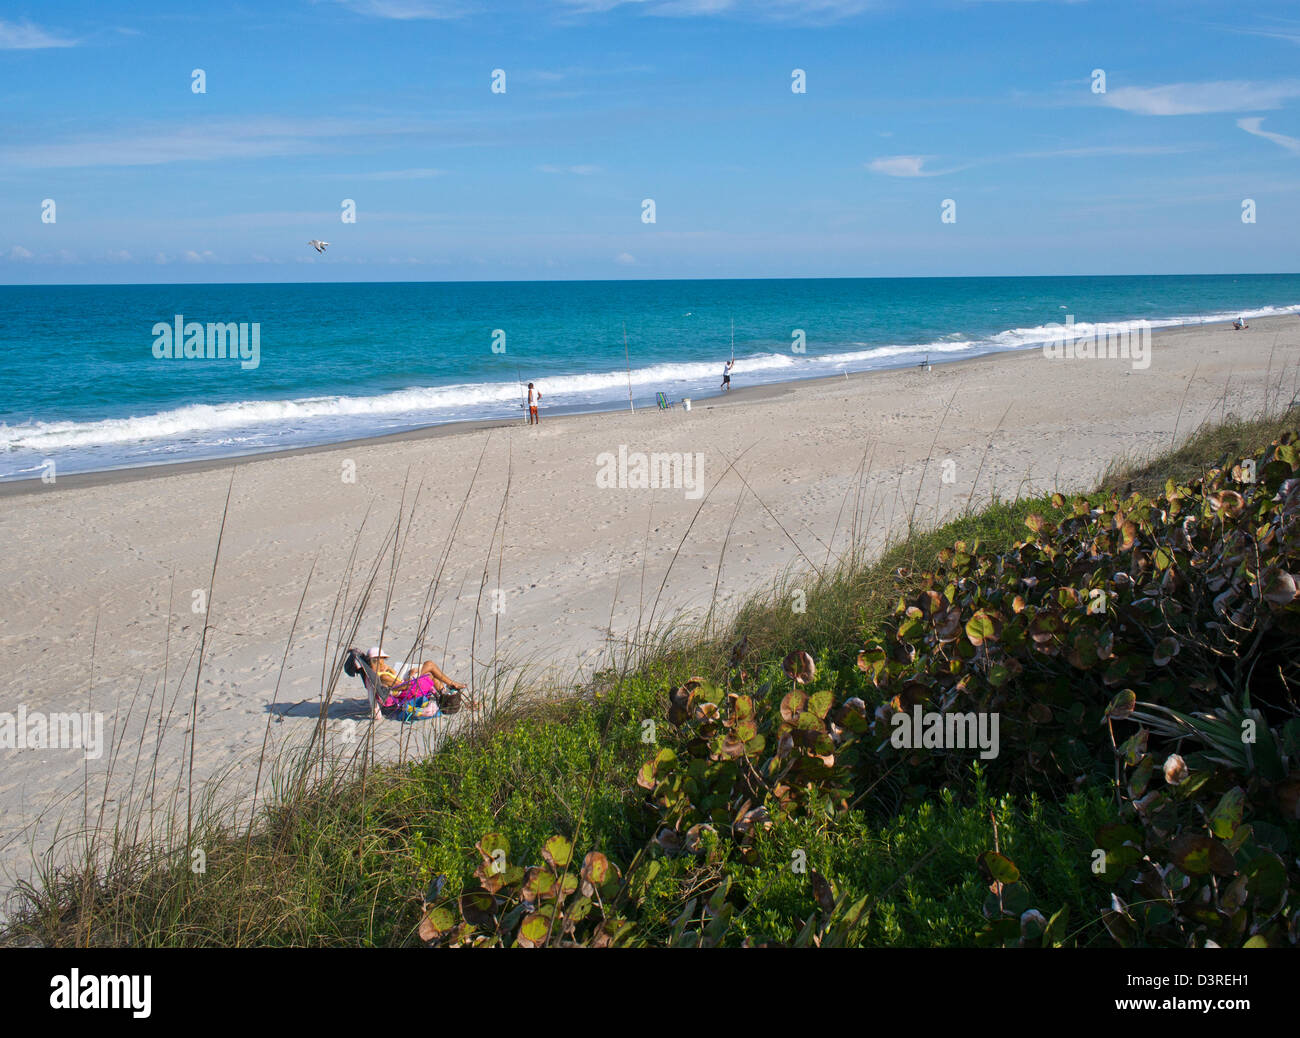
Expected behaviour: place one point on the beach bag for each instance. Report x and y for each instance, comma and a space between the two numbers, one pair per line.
449, 702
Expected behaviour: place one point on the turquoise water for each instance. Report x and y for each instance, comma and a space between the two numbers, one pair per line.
80, 383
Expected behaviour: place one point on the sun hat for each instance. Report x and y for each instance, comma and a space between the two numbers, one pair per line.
376, 653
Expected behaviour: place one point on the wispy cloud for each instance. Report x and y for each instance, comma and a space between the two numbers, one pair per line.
391, 174
18, 254
1281, 29
819, 12
1107, 150
581, 171
219, 140
1202, 98
1255, 124
407, 10
916, 165
26, 36
907, 166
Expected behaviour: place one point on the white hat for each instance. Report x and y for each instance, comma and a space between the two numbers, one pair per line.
376, 653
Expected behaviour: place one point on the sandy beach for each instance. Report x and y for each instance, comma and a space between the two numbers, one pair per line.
556, 552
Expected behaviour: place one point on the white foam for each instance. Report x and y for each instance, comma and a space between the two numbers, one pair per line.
250, 424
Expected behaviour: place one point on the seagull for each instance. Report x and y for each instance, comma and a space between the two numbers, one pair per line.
319, 246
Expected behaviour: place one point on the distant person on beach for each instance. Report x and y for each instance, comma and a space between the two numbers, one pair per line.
534, 399
1240, 324
726, 376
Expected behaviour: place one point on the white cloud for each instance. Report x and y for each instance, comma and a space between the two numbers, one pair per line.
406, 10
191, 256
118, 256
813, 11
19, 253
1254, 125
625, 259
26, 36
1202, 98
916, 165
907, 166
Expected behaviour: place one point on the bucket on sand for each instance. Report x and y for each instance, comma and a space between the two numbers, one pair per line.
686, 403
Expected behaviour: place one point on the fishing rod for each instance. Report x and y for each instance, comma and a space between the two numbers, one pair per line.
628, 358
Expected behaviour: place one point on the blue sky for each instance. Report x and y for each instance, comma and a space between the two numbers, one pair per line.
609, 102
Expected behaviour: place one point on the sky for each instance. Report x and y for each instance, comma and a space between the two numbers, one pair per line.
1089, 137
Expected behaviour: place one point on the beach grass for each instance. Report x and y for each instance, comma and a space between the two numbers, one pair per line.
341, 850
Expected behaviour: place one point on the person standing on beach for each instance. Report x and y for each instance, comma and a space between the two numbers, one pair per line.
726, 376
534, 399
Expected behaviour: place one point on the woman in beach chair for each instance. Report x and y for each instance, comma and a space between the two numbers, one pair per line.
425, 692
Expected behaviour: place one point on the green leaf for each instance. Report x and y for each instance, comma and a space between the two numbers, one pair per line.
981, 628
998, 867
1121, 706
557, 851
1199, 855
1227, 814
533, 930
493, 843
1058, 928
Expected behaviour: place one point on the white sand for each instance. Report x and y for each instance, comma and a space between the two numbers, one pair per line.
116, 564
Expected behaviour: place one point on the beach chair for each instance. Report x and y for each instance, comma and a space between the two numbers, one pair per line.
664, 403
356, 664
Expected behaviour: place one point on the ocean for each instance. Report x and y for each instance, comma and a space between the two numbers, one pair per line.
83, 384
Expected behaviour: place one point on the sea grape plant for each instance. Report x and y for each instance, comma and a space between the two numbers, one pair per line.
556, 903
744, 761
1148, 642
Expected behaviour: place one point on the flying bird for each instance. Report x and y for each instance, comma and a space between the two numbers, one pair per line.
319, 246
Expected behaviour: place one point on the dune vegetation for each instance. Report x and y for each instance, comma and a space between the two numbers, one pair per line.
1132, 652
